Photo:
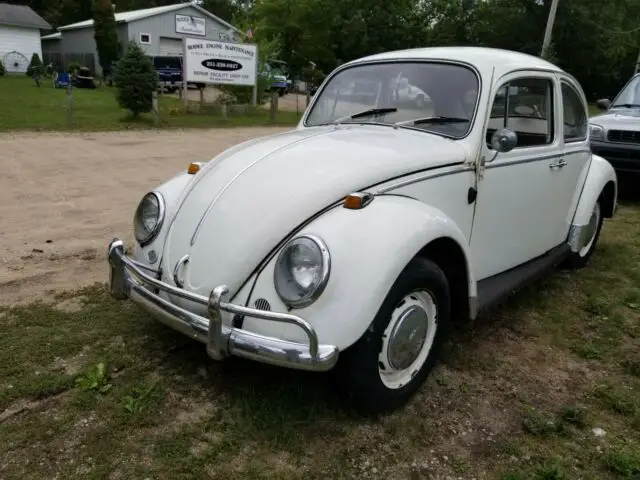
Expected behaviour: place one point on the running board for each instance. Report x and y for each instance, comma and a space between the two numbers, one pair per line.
493, 290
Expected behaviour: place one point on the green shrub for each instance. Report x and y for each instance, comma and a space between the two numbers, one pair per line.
2, 72
135, 80
35, 66
243, 95
73, 66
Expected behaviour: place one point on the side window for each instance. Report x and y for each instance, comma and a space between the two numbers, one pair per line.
525, 106
575, 117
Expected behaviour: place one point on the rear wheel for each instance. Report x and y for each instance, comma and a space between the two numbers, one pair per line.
580, 258
386, 366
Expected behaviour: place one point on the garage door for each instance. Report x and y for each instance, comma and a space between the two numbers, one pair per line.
170, 46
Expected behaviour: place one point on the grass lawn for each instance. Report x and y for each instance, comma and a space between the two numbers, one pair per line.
23, 106
545, 387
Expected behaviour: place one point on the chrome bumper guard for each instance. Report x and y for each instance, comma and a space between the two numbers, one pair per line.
130, 279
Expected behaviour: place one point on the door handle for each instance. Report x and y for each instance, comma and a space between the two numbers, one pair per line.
559, 164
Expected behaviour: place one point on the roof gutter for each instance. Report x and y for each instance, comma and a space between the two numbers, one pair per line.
26, 25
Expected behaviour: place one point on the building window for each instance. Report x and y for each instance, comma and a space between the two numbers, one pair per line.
145, 38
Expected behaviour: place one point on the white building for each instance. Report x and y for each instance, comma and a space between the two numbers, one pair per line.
19, 36
158, 30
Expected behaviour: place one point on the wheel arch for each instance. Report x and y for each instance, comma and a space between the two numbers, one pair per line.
367, 257
451, 258
601, 184
608, 199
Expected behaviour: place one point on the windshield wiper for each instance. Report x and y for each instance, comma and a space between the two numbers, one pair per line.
366, 113
438, 119
626, 105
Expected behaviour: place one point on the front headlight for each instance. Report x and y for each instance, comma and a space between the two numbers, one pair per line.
596, 132
302, 271
148, 218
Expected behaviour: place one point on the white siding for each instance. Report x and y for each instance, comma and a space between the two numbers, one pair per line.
19, 39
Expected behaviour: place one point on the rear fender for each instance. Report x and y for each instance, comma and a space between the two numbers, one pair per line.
369, 248
601, 183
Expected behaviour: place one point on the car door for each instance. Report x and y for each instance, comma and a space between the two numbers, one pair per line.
569, 177
517, 214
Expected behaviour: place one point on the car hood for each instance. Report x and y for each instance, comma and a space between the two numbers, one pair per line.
618, 119
250, 197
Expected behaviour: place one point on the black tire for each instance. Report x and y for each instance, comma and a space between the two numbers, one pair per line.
357, 372
580, 259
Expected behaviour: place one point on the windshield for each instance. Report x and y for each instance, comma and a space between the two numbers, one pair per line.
416, 89
630, 94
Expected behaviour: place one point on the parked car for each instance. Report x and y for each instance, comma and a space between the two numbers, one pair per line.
277, 71
410, 94
353, 242
169, 69
615, 135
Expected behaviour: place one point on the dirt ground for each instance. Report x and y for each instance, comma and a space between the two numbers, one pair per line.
63, 197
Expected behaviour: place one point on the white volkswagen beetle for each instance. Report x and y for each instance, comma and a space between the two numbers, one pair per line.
353, 241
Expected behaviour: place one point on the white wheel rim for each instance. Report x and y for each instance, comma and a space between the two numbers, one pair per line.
408, 339
592, 228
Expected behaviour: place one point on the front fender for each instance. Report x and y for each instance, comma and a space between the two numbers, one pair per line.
172, 191
369, 248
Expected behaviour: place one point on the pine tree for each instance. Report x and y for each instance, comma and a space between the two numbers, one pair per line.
35, 66
104, 26
136, 80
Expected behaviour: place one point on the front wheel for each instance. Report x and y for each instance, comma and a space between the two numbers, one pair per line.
580, 258
386, 366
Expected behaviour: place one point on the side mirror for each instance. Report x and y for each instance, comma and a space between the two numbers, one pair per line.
504, 140
603, 103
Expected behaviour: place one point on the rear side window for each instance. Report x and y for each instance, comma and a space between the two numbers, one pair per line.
575, 117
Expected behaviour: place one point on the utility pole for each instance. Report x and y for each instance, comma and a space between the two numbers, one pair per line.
547, 33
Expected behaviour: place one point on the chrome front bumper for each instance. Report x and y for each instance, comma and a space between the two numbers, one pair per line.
132, 280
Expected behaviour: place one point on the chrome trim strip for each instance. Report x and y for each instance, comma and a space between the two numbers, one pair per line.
524, 160
536, 159
427, 176
145, 267
128, 281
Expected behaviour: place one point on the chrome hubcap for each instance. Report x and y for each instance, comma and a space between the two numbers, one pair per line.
408, 339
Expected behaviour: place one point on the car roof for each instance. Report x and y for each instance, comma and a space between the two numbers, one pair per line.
484, 59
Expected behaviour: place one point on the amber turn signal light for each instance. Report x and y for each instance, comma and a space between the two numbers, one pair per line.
358, 200
194, 167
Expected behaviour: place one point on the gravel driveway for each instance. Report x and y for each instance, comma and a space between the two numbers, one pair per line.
63, 197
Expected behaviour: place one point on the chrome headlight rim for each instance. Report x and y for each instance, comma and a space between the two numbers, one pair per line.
593, 127
151, 236
313, 295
